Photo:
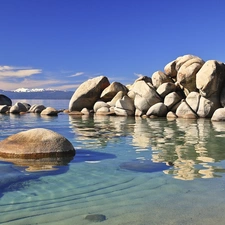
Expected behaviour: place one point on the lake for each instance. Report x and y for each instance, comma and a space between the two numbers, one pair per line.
131, 170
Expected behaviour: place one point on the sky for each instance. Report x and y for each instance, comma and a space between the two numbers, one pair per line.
59, 44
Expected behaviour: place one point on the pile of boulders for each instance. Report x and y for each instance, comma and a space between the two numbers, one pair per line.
189, 87
22, 107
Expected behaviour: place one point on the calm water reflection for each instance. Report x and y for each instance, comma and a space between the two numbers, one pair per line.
194, 147
120, 170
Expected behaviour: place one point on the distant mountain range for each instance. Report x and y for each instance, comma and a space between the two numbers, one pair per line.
37, 93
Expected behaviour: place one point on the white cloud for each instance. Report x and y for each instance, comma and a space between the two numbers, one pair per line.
77, 74
139, 74
27, 83
18, 72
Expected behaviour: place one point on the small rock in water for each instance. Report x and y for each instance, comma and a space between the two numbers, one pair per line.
145, 166
95, 217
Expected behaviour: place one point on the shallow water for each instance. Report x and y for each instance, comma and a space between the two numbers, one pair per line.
132, 170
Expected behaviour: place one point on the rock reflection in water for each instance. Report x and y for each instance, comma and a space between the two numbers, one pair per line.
39, 165
97, 131
195, 147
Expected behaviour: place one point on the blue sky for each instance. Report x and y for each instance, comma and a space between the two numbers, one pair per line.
61, 43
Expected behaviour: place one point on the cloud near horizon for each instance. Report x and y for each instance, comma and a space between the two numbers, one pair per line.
17, 72
139, 74
77, 74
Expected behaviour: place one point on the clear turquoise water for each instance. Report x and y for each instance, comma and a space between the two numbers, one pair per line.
132, 170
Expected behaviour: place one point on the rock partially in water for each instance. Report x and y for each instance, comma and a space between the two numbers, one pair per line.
49, 111
95, 217
145, 166
36, 143
4, 100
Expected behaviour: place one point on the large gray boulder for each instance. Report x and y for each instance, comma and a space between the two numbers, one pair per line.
124, 107
183, 59
36, 143
159, 109
159, 78
170, 69
210, 78
219, 115
166, 88
88, 93
109, 93
145, 96
185, 111
36, 108
49, 111
186, 75
117, 97
17, 108
172, 99
4, 100
144, 78
207, 106
100, 104
193, 100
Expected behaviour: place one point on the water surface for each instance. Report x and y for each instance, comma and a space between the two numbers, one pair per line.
132, 170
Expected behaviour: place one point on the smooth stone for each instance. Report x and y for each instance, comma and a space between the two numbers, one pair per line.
36, 143
219, 115
49, 111
159, 78
110, 92
88, 93
36, 108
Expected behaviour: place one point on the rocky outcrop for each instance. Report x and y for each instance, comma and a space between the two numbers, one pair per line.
88, 93
189, 87
36, 143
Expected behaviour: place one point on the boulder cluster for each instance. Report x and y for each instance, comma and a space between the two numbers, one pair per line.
189, 87
23, 107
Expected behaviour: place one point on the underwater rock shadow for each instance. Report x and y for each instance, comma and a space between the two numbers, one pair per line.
15, 177
89, 155
144, 166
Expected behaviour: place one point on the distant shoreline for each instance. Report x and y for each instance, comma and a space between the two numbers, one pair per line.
38, 95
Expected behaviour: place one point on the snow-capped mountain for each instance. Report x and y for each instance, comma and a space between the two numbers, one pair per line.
37, 93
32, 90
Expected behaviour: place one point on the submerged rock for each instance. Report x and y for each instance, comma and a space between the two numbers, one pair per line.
96, 217
146, 166
36, 143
